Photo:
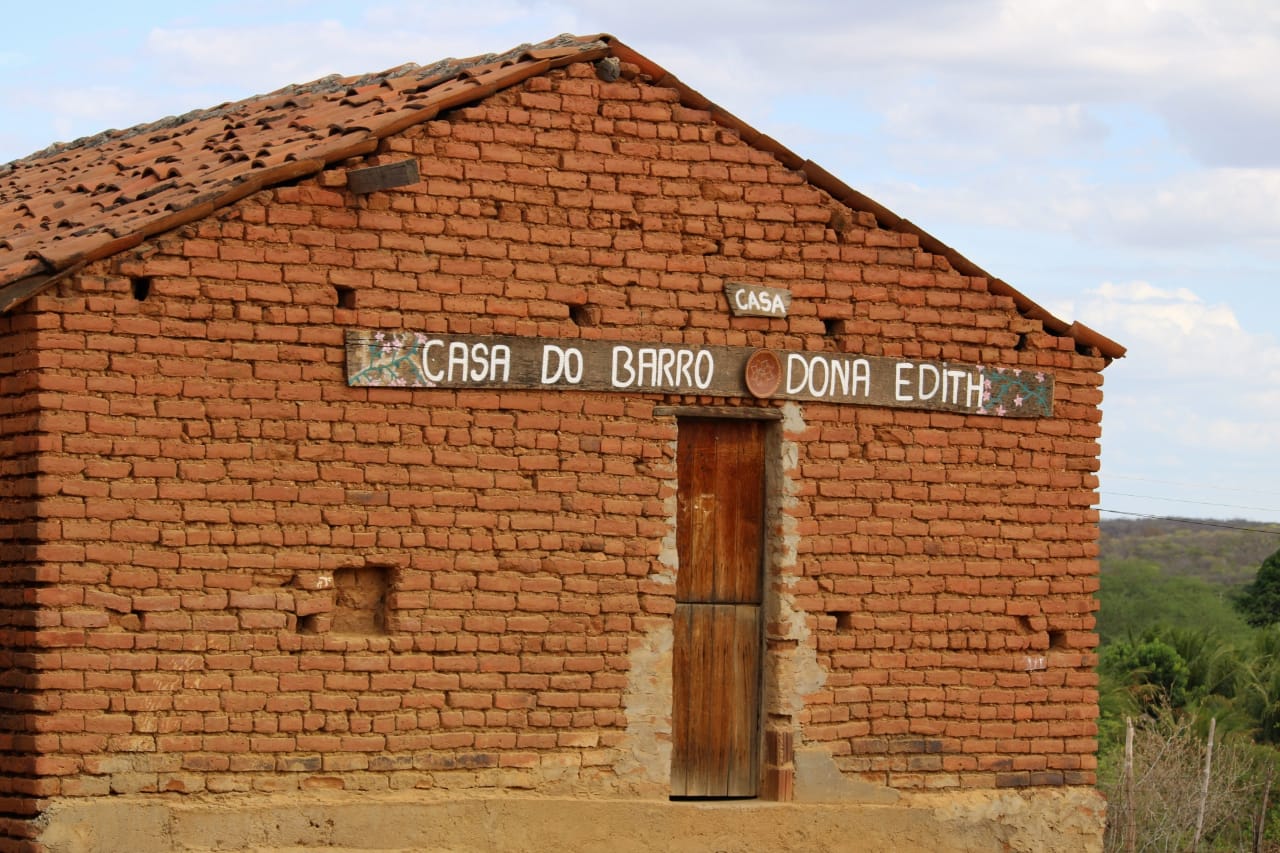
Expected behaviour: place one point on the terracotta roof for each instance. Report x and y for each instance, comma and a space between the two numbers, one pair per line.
77, 202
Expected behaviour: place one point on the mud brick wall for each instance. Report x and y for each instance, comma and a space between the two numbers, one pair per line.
20, 577
251, 577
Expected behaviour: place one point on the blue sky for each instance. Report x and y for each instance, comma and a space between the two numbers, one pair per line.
1117, 161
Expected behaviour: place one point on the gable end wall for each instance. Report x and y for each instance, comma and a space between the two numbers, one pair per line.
206, 467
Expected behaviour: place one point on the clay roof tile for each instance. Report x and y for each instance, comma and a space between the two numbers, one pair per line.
83, 200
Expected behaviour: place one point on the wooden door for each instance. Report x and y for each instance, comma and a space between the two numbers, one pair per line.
718, 621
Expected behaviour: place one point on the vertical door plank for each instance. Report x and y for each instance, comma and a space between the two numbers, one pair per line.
725, 475
716, 695
740, 477
714, 703
742, 623
684, 677
697, 511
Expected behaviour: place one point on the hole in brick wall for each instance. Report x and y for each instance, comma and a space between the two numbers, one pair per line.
1057, 640
840, 222
1085, 349
141, 286
309, 624
360, 600
844, 619
1021, 344
1024, 624
832, 326
584, 315
346, 296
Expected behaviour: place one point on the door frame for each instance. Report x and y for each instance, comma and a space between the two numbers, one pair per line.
770, 442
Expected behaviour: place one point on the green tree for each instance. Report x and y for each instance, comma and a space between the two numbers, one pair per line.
1260, 601
1137, 596
1151, 669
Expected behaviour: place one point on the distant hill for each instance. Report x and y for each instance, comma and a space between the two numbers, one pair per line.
1214, 551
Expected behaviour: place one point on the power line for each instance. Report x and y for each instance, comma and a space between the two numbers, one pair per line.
1184, 501
1189, 485
1191, 521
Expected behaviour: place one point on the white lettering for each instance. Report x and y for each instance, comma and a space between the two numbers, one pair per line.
438, 376
567, 364
684, 365
951, 383
937, 382
647, 362
501, 359
828, 378
900, 382
467, 363
471, 361
662, 367
796, 361
974, 393
840, 377
861, 376
760, 301
622, 360
479, 356
573, 365
666, 363
704, 367
549, 378
458, 359
816, 388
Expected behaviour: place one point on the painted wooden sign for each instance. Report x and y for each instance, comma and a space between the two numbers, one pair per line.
756, 300
419, 360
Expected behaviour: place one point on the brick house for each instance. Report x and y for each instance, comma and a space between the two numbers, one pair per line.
527, 434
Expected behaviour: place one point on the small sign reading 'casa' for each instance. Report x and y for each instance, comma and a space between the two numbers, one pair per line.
756, 300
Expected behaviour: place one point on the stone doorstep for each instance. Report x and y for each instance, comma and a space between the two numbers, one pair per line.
1060, 820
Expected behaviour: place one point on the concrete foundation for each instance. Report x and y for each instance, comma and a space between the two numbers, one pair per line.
1067, 820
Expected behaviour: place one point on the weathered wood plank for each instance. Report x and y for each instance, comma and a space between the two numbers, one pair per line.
684, 677
419, 360
756, 300
382, 177
716, 716
739, 478
744, 680
720, 511
697, 503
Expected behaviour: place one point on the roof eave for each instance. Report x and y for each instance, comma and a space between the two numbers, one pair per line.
480, 82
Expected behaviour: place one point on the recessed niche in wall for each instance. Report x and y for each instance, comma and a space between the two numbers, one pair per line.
584, 315
832, 326
346, 296
844, 619
141, 286
360, 600
1057, 640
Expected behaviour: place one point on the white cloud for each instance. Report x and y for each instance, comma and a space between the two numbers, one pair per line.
1166, 328
1188, 211
1053, 142
1193, 380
